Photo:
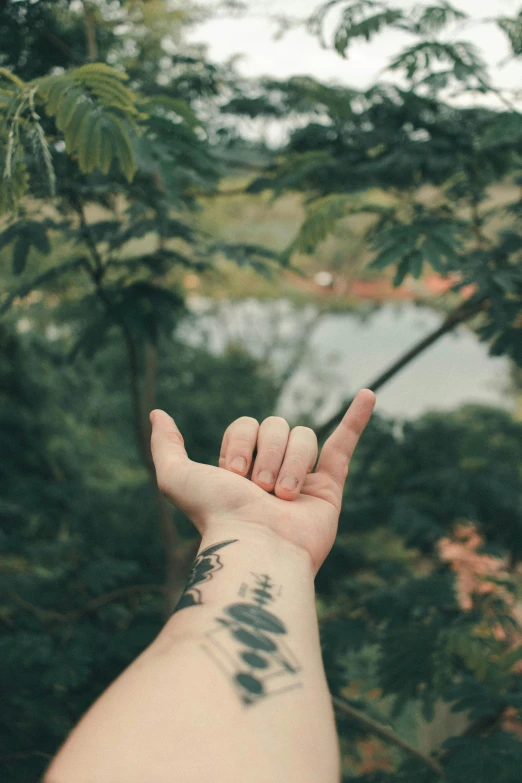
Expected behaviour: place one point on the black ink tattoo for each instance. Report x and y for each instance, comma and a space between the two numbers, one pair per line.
203, 568
248, 647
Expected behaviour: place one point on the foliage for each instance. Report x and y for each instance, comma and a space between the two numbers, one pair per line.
398, 604
81, 574
436, 160
108, 141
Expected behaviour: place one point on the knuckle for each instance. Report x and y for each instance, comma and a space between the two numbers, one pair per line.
240, 443
296, 460
175, 437
274, 449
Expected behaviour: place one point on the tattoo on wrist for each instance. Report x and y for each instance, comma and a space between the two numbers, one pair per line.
248, 647
204, 567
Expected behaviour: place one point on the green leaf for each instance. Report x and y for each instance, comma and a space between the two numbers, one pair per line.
8, 235
122, 145
84, 140
99, 69
102, 230
46, 277
158, 263
112, 94
73, 128
95, 112
67, 107
321, 218
94, 152
433, 18
176, 105
106, 150
402, 270
461, 55
386, 257
25, 234
415, 260
509, 659
367, 28
13, 189
504, 131
21, 250
56, 93
513, 30
360, 19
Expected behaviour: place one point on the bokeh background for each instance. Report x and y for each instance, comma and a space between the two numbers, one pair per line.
240, 208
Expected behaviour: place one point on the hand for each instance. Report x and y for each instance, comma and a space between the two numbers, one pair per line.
305, 506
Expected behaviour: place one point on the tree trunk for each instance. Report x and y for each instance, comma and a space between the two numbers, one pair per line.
144, 401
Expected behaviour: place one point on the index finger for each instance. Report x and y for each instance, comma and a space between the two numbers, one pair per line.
339, 447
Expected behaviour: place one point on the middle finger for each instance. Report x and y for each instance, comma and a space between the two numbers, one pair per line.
271, 446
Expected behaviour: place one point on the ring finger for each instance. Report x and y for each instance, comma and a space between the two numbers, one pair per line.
300, 458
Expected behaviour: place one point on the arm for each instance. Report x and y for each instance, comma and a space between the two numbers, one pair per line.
196, 706
233, 688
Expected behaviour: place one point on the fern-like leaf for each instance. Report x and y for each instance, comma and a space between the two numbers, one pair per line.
96, 113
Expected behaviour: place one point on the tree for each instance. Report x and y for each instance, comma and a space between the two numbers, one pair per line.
126, 149
404, 140
82, 571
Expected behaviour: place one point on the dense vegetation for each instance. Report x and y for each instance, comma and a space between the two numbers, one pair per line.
113, 134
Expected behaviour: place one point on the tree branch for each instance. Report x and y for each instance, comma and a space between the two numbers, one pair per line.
168, 529
87, 235
461, 314
57, 42
90, 31
387, 734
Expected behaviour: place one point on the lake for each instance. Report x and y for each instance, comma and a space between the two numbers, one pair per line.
340, 353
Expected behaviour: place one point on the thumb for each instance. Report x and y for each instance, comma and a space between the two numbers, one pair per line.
168, 452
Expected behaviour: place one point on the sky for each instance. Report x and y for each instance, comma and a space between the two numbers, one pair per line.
298, 53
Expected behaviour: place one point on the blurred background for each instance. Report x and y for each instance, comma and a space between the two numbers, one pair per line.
235, 208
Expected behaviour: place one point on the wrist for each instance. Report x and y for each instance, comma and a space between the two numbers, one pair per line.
246, 551
259, 538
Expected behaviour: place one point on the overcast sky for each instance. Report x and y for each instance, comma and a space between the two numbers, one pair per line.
298, 53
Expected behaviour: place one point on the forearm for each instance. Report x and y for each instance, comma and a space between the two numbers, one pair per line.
233, 688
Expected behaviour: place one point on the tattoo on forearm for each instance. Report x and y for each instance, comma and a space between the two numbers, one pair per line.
247, 645
204, 567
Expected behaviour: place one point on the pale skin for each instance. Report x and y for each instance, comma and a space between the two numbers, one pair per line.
233, 688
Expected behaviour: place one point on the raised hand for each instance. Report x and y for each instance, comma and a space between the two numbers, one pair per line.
265, 476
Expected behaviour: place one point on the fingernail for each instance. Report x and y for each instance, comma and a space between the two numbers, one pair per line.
289, 482
266, 477
238, 463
